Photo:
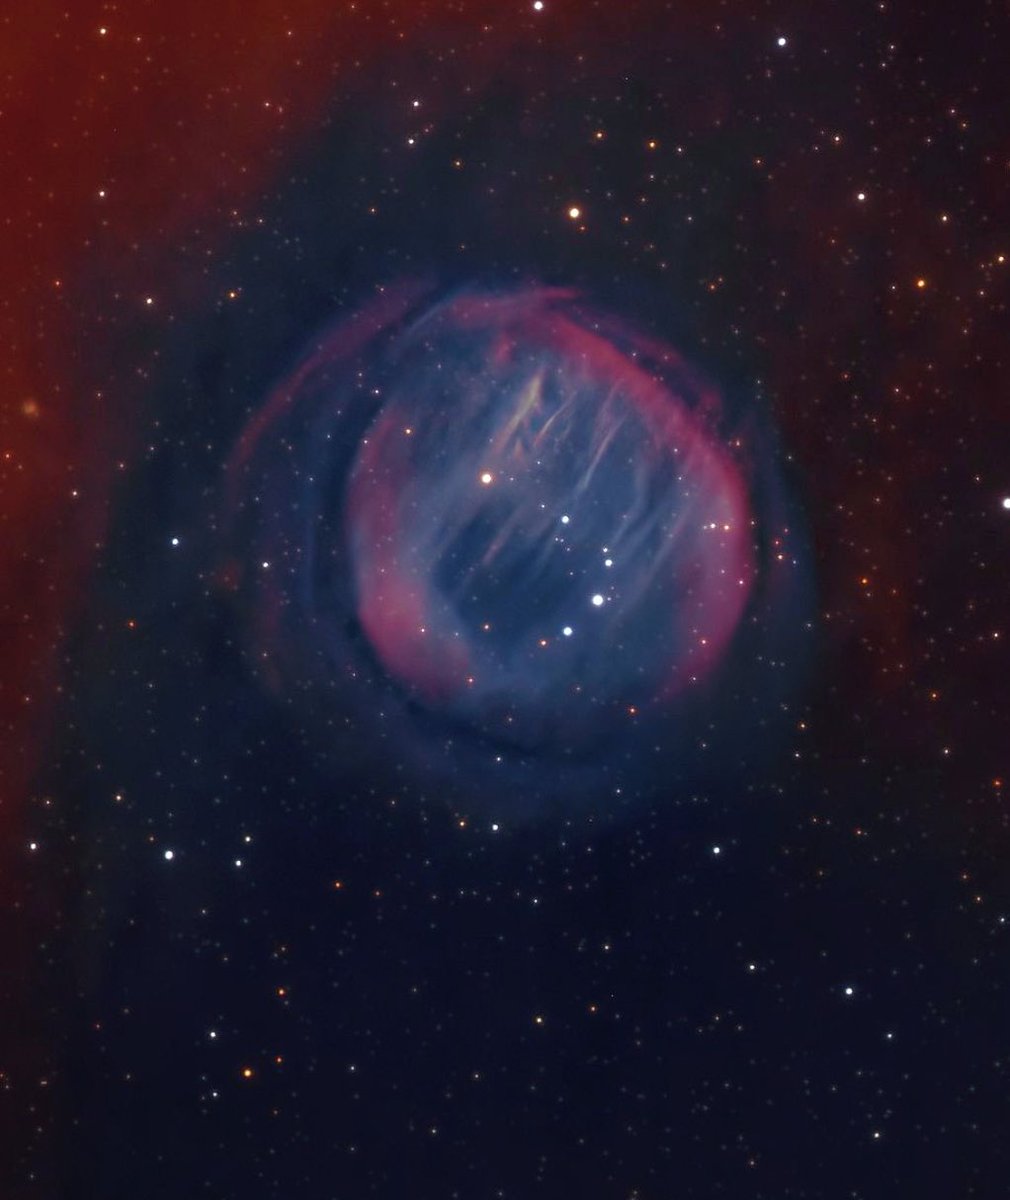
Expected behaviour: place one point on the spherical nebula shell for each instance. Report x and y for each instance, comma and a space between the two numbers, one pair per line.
505, 540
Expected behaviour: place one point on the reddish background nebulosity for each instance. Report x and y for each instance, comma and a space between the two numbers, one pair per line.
131, 128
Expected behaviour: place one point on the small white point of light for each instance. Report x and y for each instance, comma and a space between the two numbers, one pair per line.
717, 849
780, 41
860, 196
849, 991
486, 478
574, 212
567, 631
538, 5
608, 562
169, 855
495, 826
175, 541
565, 519
597, 600
1006, 502
33, 846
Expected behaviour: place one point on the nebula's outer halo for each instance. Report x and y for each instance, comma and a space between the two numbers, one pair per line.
505, 535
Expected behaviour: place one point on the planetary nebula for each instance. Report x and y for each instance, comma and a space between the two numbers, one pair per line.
496, 532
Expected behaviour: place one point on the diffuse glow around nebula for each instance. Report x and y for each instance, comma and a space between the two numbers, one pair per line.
511, 543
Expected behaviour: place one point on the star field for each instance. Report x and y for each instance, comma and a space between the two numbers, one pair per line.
505, 650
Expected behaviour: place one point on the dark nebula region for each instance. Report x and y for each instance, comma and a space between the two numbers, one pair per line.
532, 541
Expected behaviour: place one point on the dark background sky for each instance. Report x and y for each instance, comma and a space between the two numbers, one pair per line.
569, 1007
